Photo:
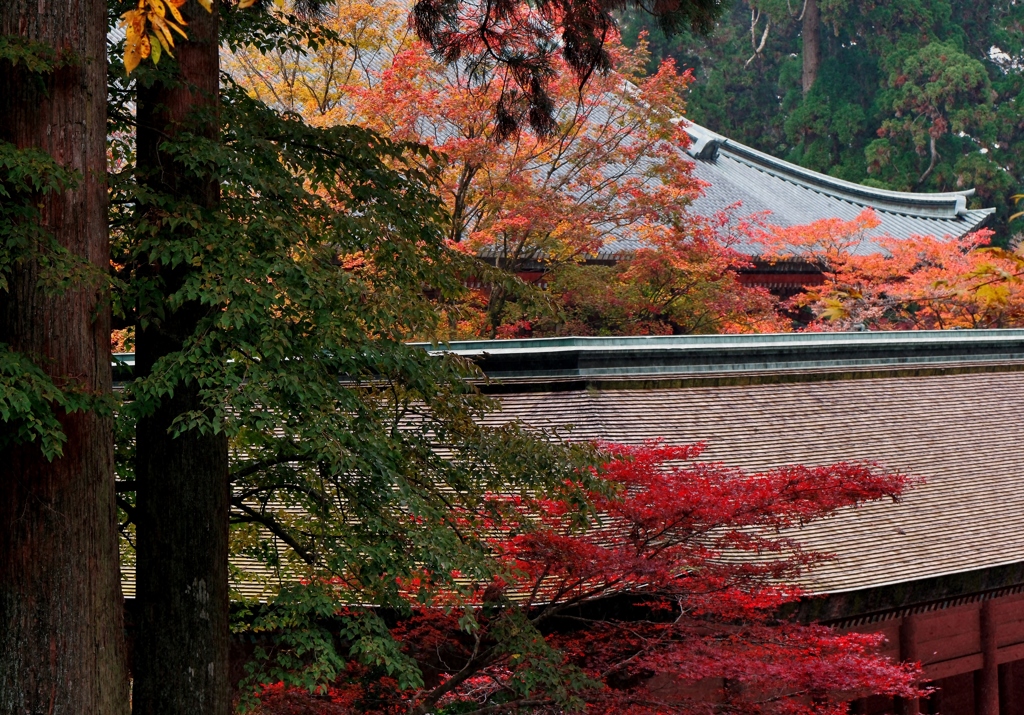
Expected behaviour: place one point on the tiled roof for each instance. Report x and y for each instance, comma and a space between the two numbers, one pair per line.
795, 195
737, 175
755, 183
955, 425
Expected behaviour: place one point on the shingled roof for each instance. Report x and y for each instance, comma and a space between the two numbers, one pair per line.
941, 405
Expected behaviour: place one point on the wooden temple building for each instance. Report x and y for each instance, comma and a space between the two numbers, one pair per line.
940, 574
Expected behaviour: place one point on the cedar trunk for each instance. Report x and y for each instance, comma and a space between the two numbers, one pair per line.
181, 652
811, 34
61, 631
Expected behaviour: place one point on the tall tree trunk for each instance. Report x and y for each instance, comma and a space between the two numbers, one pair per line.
181, 654
811, 35
61, 612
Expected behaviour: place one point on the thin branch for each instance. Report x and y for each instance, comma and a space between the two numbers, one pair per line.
255, 467
931, 164
275, 527
128, 509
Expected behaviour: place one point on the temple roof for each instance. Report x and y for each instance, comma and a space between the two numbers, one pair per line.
940, 405
935, 404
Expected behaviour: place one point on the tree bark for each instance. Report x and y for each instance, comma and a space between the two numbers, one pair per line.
62, 644
811, 35
181, 653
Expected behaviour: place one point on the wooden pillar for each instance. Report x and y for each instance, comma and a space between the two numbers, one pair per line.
987, 692
908, 653
1007, 703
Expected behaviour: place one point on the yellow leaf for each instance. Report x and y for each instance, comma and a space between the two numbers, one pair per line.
134, 22
164, 28
155, 47
131, 58
243, 4
174, 12
177, 28
834, 310
162, 32
157, 6
144, 46
993, 294
208, 4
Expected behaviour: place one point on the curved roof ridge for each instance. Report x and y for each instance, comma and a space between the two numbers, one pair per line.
707, 145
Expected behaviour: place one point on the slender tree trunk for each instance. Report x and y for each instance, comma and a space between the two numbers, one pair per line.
62, 645
811, 35
181, 653
495, 309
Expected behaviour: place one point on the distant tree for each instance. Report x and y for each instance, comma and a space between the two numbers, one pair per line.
679, 282
352, 41
669, 602
610, 168
514, 42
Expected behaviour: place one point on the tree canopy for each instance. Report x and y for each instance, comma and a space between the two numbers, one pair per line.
610, 168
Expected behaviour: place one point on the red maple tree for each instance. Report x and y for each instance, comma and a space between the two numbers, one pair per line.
669, 601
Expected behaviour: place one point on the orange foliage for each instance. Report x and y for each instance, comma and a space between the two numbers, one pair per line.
611, 169
681, 281
922, 282
529, 206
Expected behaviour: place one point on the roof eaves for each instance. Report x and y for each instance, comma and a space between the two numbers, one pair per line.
938, 205
545, 359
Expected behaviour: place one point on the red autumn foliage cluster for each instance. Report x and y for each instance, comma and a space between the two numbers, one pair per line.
670, 602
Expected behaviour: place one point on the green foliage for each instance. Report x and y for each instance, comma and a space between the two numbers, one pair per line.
893, 77
36, 57
26, 176
27, 400
363, 467
302, 641
30, 401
